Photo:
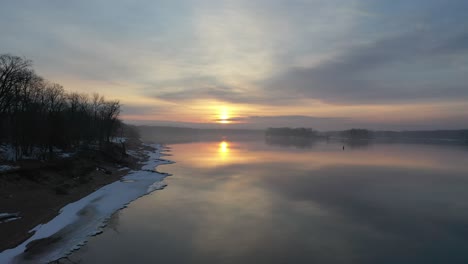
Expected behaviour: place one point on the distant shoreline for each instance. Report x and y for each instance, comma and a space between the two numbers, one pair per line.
183, 134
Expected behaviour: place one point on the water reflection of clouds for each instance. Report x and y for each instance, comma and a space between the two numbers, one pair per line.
375, 198
235, 206
210, 155
388, 206
384, 204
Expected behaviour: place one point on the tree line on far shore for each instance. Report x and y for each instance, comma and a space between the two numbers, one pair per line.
291, 132
302, 132
38, 115
460, 135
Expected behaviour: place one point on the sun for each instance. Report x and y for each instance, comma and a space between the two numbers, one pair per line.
224, 116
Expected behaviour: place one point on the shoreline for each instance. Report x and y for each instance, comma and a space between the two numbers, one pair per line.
147, 157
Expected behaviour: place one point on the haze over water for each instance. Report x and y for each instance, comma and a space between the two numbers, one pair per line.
253, 202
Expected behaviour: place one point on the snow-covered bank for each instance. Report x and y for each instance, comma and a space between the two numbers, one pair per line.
80, 220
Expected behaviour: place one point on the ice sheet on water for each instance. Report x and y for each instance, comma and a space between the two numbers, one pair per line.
78, 221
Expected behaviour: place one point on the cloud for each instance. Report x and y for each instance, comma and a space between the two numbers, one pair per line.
269, 54
232, 119
133, 109
225, 94
184, 90
412, 66
212, 92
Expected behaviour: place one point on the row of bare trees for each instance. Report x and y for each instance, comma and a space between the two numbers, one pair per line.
37, 115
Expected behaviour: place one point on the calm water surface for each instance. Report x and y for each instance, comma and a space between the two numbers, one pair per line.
250, 202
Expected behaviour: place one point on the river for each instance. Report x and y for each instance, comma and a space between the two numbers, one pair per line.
275, 202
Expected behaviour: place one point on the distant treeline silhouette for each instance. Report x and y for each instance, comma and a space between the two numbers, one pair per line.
365, 134
291, 132
37, 115
357, 133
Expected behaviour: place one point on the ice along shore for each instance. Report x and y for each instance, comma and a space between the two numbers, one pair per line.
79, 220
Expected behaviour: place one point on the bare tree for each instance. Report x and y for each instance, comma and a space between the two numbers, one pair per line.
35, 113
12, 70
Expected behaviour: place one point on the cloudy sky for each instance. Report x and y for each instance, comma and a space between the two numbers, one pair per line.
326, 64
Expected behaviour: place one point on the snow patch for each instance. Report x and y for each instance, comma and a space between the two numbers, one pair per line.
133, 153
78, 221
8, 217
118, 139
156, 186
4, 168
66, 154
7, 152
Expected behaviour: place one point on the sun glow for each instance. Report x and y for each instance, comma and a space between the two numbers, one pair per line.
224, 116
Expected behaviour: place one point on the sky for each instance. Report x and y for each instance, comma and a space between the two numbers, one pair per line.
328, 64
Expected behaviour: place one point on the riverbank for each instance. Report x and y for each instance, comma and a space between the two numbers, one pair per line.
36, 191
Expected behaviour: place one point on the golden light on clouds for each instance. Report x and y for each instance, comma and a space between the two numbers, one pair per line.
228, 64
234, 115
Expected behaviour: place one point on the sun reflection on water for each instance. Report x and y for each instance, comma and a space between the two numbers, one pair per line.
223, 150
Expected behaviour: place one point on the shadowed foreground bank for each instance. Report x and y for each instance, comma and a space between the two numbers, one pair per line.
38, 190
